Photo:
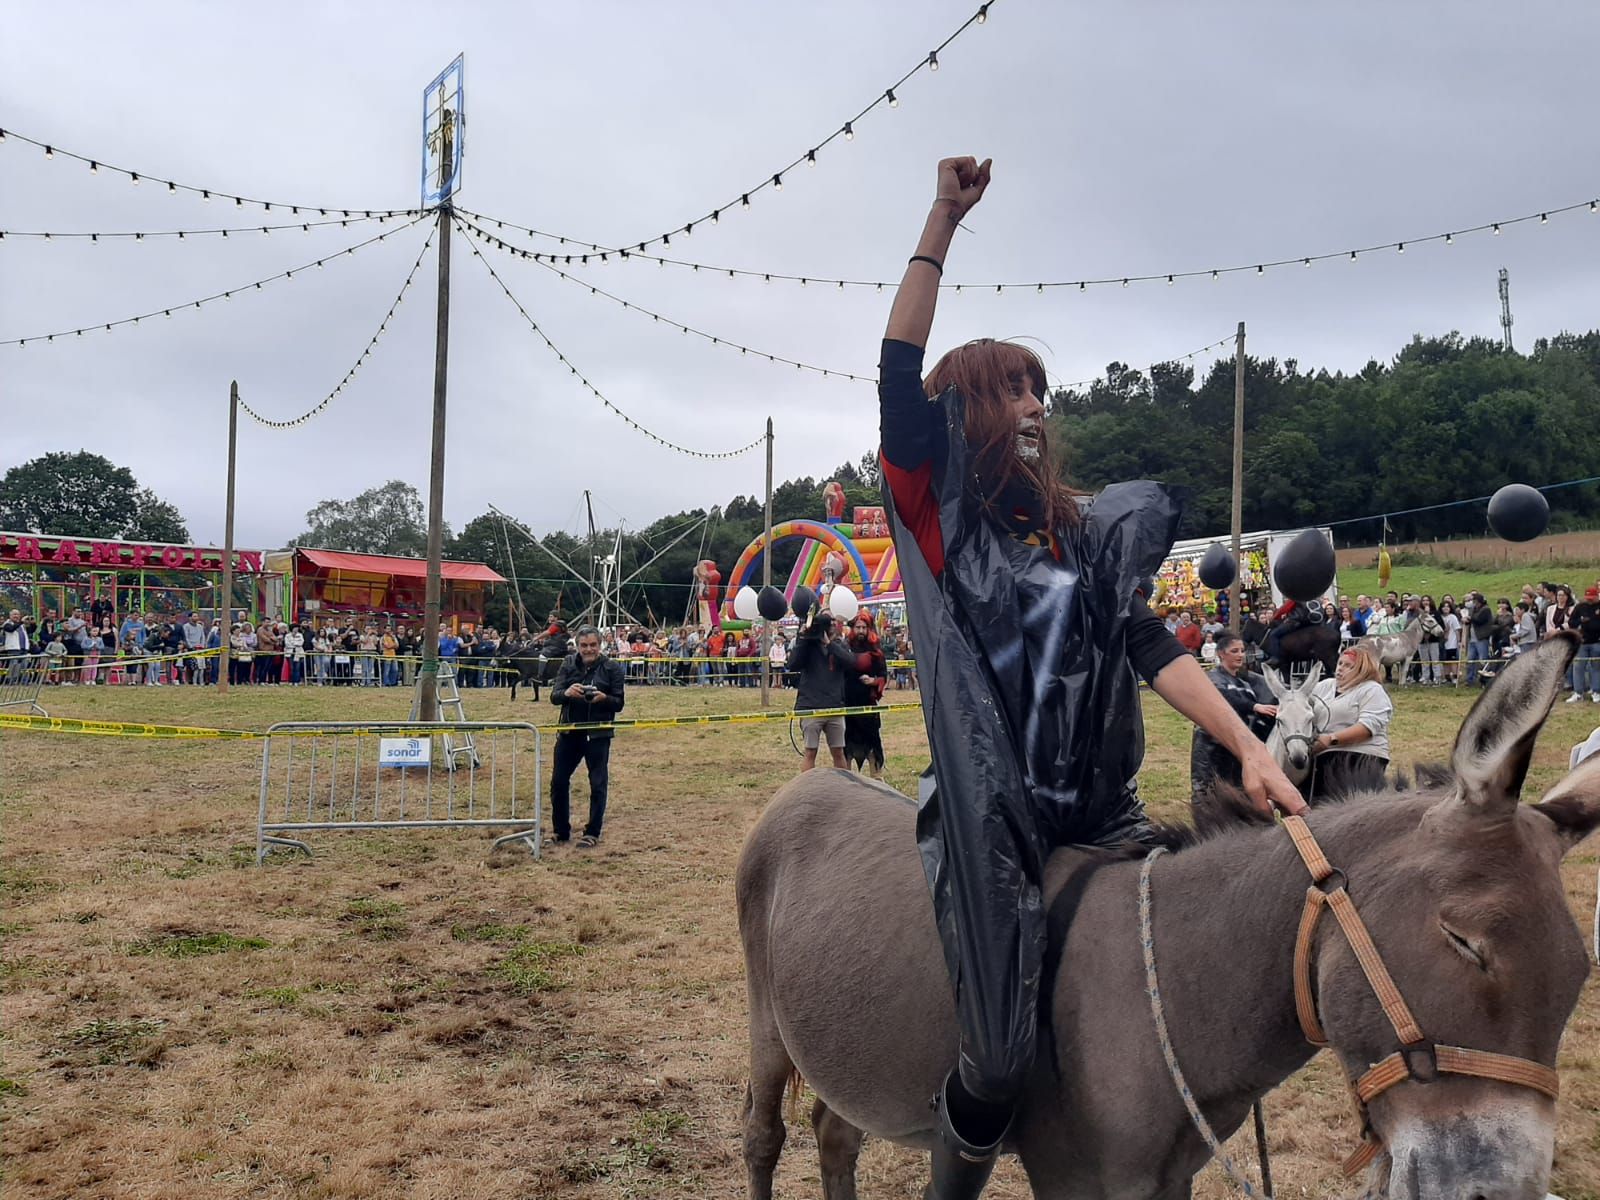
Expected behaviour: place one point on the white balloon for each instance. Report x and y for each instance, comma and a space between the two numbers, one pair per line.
744, 604
842, 603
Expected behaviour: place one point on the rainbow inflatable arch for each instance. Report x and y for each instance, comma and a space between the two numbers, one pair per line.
864, 546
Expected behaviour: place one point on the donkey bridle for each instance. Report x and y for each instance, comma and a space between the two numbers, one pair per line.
1418, 1058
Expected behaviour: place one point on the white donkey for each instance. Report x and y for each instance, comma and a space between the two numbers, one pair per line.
1300, 719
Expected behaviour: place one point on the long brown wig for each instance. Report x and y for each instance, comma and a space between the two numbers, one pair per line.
987, 373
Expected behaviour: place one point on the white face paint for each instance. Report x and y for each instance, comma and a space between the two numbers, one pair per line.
1028, 440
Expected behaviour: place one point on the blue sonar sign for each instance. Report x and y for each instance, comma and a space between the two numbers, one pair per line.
405, 752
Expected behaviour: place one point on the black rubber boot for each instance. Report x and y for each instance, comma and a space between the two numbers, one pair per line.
970, 1135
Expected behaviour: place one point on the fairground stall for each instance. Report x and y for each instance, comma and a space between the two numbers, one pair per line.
50, 576
1178, 583
317, 583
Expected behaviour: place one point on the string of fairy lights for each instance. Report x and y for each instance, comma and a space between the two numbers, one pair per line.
188, 305
714, 339
139, 235
366, 353
598, 395
173, 187
576, 252
591, 254
889, 97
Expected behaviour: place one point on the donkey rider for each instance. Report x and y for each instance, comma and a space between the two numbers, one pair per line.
1029, 614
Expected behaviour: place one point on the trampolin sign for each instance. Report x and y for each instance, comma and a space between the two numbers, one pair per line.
444, 121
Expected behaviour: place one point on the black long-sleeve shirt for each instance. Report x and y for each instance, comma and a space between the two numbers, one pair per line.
605, 674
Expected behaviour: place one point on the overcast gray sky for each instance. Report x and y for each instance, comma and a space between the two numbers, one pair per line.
1127, 138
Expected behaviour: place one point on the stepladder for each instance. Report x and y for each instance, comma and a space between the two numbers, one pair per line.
451, 712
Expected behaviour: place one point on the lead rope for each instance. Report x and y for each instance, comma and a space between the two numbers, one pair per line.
1158, 1013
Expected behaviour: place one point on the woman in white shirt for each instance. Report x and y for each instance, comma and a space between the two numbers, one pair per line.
1450, 652
1352, 751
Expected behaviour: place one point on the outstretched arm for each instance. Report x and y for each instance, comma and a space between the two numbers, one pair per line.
1184, 685
961, 185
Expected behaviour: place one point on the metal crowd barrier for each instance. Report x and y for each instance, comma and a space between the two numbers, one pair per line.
21, 677
406, 775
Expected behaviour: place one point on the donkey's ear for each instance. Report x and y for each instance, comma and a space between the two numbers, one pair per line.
1274, 683
1574, 803
1314, 674
1496, 740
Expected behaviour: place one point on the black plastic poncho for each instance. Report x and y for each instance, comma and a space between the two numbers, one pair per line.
1033, 720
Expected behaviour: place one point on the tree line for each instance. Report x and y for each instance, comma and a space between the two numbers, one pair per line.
1448, 418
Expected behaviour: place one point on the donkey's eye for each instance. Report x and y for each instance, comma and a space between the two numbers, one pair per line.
1463, 947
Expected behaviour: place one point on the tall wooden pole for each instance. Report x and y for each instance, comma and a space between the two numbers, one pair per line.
766, 582
1238, 476
428, 680
225, 601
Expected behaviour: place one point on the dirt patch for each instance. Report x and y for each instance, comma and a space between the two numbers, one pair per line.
404, 1015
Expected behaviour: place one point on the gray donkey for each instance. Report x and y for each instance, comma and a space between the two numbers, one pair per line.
1458, 883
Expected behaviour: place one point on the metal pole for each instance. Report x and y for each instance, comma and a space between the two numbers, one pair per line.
1238, 476
428, 680
225, 604
766, 582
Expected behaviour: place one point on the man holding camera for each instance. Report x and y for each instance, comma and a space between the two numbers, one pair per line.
822, 662
589, 688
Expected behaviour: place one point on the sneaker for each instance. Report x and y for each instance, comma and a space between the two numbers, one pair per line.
1595, 696
1575, 697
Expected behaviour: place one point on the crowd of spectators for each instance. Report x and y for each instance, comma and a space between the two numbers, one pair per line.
89, 648
1461, 641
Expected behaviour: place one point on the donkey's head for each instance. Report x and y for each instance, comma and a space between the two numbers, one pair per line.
1460, 887
1296, 727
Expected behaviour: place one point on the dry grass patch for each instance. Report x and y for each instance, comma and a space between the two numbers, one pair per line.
405, 1015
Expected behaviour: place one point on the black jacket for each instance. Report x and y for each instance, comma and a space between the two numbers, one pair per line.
606, 675
822, 667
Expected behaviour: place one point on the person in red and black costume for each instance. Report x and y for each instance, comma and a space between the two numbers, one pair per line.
1028, 606
863, 686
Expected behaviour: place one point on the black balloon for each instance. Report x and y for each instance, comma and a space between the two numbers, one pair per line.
1305, 568
770, 603
1217, 567
803, 600
1518, 512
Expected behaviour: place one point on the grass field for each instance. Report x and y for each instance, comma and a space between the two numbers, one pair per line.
405, 1015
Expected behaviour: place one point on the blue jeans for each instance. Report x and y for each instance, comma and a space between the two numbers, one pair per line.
1477, 654
391, 672
572, 748
1586, 670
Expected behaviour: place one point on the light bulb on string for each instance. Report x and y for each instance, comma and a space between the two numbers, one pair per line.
811, 158
983, 13
933, 60
850, 136
1400, 247
890, 96
49, 153
1544, 218
94, 167
744, 200
134, 175
1496, 228
1449, 239
777, 182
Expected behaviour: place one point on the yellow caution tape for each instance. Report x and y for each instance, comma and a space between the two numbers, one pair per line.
135, 729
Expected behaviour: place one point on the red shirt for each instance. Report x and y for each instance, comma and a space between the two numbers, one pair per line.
1189, 636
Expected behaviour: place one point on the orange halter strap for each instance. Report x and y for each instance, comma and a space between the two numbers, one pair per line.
1417, 1058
